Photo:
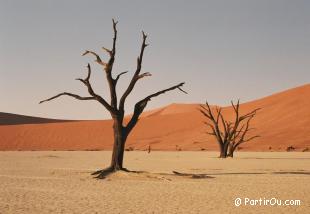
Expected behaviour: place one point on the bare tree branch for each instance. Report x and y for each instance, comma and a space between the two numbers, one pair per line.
135, 77
207, 111
215, 125
204, 112
251, 138
139, 107
238, 132
252, 113
119, 75
182, 90
115, 37
236, 107
247, 140
68, 94
226, 126
218, 110
211, 133
109, 68
239, 139
108, 51
86, 80
93, 96
147, 74
98, 59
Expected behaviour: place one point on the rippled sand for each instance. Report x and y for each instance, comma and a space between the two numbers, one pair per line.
60, 182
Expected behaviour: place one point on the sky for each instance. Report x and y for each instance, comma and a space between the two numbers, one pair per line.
223, 50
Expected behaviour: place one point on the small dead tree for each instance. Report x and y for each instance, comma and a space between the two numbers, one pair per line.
239, 137
229, 135
116, 107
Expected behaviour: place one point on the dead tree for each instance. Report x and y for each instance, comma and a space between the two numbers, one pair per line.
228, 134
116, 107
239, 136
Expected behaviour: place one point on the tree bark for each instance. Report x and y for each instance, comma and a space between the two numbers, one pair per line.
223, 152
120, 137
231, 150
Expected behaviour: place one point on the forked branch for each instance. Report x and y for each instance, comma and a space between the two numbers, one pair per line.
119, 75
239, 137
136, 75
93, 96
98, 59
139, 107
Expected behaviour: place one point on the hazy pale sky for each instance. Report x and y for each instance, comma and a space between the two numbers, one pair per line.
223, 50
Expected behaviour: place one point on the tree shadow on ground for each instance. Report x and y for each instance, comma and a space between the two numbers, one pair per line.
292, 173
161, 176
191, 175
259, 158
176, 174
297, 172
240, 173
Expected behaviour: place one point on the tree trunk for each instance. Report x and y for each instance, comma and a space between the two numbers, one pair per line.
223, 149
231, 151
120, 137
223, 152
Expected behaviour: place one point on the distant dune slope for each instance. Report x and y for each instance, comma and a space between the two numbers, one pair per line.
283, 121
15, 119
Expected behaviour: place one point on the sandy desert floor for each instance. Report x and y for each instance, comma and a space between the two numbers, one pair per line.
60, 182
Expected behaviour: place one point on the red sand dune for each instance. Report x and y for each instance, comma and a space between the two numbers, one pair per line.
15, 119
283, 121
